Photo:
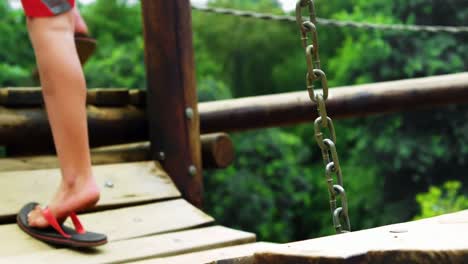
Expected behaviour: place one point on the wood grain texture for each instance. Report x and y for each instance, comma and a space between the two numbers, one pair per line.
107, 126
124, 153
131, 183
223, 255
118, 224
129, 123
144, 220
217, 152
32, 96
141, 248
171, 90
108, 97
347, 101
440, 240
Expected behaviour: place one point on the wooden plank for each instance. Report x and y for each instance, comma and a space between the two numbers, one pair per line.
147, 219
121, 184
233, 254
438, 240
171, 93
217, 152
118, 224
141, 248
18, 242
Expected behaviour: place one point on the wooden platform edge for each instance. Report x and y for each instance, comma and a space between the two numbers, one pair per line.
218, 255
124, 251
438, 240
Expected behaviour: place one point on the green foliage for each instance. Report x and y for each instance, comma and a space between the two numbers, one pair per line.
119, 60
16, 56
245, 52
441, 200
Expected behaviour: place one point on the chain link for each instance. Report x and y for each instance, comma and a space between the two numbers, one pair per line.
337, 23
327, 144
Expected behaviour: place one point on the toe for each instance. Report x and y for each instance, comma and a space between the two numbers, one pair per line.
35, 218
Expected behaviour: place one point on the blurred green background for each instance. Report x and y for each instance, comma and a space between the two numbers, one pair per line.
276, 186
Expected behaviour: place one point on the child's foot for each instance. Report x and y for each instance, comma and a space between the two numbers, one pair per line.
68, 199
80, 24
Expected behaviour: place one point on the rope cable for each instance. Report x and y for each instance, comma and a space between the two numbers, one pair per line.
333, 22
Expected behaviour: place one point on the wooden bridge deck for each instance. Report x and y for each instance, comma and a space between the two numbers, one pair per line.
437, 240
147, 221
141, 212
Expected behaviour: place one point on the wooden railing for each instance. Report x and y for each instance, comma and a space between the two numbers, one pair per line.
118, 116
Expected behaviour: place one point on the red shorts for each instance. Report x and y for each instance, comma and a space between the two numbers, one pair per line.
46, 8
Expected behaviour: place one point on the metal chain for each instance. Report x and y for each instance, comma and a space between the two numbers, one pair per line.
323, 122
337, 23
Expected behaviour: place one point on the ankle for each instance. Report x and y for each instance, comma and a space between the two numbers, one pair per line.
73, 183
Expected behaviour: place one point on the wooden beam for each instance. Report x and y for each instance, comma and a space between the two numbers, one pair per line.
107, 125
349, 101
108, 97
217, 152
32, 97
171, 93
438, 240
128, 123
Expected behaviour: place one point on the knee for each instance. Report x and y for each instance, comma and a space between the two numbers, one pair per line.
56, 83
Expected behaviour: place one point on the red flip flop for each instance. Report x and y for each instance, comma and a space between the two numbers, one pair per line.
59, 234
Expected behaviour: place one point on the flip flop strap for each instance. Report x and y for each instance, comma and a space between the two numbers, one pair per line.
77, 223
53, 222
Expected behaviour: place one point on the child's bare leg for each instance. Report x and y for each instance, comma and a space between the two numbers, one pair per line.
64, 91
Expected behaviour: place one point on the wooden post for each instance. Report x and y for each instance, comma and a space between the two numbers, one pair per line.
171, 98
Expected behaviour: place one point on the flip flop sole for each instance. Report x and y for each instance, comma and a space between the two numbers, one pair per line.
51, 236
61, 242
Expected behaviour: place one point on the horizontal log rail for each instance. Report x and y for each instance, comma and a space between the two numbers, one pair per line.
217, 152
32, 96
350, 101
26, 131
27, 128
